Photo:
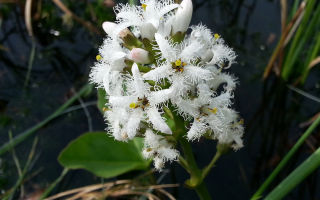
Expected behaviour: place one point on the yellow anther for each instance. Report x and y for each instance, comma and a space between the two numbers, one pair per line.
216, 36
98, 57
144, 6
148, 149
184, 64
241, 121
132, 105
104, 109
213, 110
178, 62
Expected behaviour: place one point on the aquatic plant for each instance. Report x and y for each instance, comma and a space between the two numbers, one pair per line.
165, 85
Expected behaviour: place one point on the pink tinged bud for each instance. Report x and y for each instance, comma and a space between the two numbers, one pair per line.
182, 17
109, 27
139, 56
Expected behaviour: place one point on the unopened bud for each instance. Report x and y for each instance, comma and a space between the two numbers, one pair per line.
207, 56
109, 27
183, 17
147, 30
139, 55
129, 40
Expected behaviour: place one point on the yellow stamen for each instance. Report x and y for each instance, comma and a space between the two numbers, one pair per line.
132, 105
98, 57
184, 64
241, 121
178, 62
213, 110
148, 149
144, 6
104, 109
181, 69
216, 36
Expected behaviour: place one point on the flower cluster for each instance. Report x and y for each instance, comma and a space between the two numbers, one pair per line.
148, 65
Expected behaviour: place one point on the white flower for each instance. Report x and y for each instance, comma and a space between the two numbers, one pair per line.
146, 17
183, 17
155, 67
157, 147
138, 106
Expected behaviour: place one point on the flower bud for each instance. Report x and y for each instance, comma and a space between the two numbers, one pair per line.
182, 17
207, 56
147, 31
139, 55
109, 27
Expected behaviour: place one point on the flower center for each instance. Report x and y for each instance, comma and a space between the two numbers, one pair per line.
178, 65
141, 103
144, 6
213, 110
216, 36
98, 57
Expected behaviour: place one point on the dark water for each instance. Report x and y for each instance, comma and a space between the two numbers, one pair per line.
62, 61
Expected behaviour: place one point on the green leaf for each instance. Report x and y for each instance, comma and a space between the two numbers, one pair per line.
102, 155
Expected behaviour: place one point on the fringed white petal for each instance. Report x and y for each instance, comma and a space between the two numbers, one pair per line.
157, 121
196, 130
167, 51
196, 74
134, 122
121, 101
139, 85
159, 73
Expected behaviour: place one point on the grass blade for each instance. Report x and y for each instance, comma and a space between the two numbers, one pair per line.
298, 175
285, 160
22, 136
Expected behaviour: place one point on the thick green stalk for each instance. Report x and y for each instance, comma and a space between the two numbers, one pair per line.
196, 181
22, 136
298, 175
285, 160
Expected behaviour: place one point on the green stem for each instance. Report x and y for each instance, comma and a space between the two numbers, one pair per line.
207, 169
196, 181
21, 137
285, 160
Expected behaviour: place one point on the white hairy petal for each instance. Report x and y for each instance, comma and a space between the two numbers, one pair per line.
168, 154
160, 96
158, 73
121, 101
195, 74
165, 47
157, 121
139, 85
134, 122
152, 140
193, 50
197, 130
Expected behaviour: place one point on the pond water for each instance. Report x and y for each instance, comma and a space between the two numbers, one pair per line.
273, 113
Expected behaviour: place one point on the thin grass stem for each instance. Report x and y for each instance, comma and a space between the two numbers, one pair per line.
285, 160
